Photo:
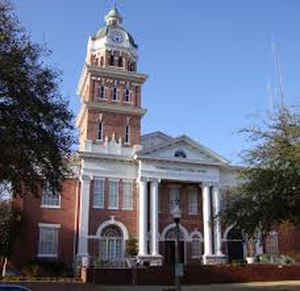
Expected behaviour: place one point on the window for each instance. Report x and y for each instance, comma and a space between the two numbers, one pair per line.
48, 240
193, 201
127, 195
100, 131
272, 243
101, 92
113, 195
127, 95
180, 154
50, 199
196, 246
98, 193
115, 94
127, 135
120, 62
112, 60
174, 198
102, 61
111, 244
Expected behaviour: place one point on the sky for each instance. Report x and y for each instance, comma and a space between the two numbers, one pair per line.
209, 63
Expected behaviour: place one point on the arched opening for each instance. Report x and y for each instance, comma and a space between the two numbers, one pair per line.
111, 244
180, 154
102, 61
169, 246
235, 248
112, 59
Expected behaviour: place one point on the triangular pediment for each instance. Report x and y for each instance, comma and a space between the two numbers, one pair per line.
183, 148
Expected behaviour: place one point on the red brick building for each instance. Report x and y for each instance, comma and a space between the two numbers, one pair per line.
127, 185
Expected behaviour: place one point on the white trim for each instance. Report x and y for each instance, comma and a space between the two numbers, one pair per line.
196, 232
173, 225
51, 206
112, 221
49, 225
226, 232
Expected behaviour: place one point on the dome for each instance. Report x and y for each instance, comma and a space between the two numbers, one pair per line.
104, 32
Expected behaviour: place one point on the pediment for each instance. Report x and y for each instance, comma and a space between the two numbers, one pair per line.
184, 149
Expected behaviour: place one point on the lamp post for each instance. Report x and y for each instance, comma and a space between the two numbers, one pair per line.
178, 265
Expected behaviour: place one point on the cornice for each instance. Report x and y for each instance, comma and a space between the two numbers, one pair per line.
114, 107
88, 155
176, 161
116, 73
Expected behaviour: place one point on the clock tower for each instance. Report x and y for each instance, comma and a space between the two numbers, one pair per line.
110, 90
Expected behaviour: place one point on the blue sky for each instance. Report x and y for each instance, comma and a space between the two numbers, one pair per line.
209, 62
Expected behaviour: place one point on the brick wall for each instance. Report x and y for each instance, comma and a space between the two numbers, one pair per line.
114, 123
27, 244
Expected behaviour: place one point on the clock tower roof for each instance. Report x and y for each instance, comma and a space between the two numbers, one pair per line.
113, 23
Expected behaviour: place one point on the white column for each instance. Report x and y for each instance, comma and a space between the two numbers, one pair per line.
84, 210
154, 217
217, 222
206, 204
142, 217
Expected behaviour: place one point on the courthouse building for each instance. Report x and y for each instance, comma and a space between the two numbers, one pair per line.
125, 184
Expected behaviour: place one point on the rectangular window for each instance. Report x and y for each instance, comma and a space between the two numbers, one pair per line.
98, 193
174, 198
115, 94
113, 195
193, 202
127, 135
101, 92
50, 199
127, 196
100, 131
48, 240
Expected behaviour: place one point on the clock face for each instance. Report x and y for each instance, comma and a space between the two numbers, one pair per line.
116, 36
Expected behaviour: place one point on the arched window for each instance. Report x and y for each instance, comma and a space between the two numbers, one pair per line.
180, 154
196, 246
127, 95
115, 94
102, 61
127, 135
171, 234
111, 244
100, 131
112, 60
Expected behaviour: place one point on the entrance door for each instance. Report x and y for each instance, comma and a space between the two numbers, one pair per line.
170, 252
235, 246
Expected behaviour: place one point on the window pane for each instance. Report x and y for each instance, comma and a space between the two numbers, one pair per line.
48, 241
98, 193
174, 198
113, 194
193, 202
127, 196
49, 198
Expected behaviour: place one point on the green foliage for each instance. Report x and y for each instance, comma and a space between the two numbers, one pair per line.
10, 222
36, 128
269, 192
132, 248
42, 268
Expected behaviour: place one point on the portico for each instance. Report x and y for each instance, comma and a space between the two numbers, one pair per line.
155, 171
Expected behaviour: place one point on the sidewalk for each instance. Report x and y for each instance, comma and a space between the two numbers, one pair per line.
256, 286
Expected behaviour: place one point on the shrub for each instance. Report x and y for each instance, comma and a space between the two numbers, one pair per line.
44, 268
276, 259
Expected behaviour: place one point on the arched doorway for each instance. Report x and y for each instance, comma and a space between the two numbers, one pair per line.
111, 244
235, 247
169, 246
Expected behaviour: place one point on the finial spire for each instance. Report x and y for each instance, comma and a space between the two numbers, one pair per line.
114, 16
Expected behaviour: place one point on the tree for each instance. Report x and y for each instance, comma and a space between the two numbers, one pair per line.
269, 189
36, 128
10, 222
